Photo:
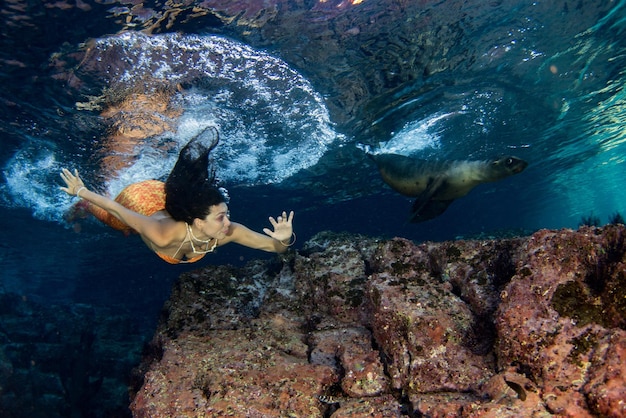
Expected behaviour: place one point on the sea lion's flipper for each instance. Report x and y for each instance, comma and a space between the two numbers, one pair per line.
430, 210
424, 199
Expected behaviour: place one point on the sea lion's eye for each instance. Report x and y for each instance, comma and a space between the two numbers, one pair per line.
509, 161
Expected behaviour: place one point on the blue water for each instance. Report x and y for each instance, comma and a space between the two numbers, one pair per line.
544, 83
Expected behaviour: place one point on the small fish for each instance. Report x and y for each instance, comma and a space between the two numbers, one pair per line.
331, 400
521, 392
118, 11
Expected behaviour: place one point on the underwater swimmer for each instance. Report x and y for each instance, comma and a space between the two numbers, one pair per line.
186, 217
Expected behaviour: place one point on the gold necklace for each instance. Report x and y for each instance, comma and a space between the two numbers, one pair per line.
206, 249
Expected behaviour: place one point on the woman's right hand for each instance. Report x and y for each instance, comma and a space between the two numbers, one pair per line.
72, 181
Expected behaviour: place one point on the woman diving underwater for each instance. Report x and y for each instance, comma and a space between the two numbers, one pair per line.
186, 217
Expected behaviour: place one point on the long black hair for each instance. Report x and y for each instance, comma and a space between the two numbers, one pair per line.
190, 189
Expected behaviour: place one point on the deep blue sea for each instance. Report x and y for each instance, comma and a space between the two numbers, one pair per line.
541, 81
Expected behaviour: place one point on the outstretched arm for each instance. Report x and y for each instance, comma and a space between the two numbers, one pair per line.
278, 240
150, 228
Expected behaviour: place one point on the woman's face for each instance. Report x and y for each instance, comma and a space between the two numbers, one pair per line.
217, 222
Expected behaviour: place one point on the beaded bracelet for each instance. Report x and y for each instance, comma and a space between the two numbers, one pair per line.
79, 189
292, 242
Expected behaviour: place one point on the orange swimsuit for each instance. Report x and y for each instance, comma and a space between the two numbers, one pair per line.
146, 197
173, 260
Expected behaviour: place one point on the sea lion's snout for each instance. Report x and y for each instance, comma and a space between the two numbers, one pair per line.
513, 164
516, 165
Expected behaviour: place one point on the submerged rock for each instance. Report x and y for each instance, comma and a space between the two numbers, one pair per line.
60, 360
355, 326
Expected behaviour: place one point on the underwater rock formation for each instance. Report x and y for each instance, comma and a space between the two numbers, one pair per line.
65, 361
356, 326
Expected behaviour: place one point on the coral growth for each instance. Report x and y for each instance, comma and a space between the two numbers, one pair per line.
354, 326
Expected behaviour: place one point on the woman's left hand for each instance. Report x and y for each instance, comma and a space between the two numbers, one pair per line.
282, 228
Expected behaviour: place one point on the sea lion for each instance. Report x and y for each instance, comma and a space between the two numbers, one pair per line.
436, 184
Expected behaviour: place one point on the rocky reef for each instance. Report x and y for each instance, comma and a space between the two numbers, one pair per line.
65, 360
356, 326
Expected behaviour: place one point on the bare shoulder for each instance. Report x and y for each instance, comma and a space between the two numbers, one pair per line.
165, 230
162, 216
